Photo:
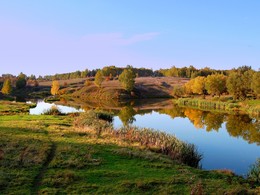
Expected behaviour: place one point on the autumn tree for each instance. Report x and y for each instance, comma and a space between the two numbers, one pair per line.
55, 87
127, 79
238, 84
7, 87
188, 86
215, 84
255, 85
178, 91
199, 85
99, 78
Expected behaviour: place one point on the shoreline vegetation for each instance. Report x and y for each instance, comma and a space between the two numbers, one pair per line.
81, 153
251, 107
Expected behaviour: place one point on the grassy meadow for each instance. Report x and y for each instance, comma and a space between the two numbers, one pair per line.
49, 154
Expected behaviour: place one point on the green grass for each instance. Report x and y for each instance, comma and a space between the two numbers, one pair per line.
8, 108
48, 155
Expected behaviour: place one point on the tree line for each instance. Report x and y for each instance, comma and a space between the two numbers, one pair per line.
240, 83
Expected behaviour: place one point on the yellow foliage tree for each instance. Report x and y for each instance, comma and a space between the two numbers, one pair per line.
99, 78
199, 85
55, 87
216, 84
7, 87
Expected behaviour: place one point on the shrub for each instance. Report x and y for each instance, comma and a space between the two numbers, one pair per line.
96, 120
87, 83
178, 91
254, 172
54, 110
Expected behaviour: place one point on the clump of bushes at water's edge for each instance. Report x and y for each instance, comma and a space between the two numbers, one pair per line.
54, 110
254, 173
149, 139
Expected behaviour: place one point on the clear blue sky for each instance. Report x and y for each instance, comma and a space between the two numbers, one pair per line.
56, 36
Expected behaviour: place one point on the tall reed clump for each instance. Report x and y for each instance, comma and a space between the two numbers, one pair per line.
161, 142
206, 104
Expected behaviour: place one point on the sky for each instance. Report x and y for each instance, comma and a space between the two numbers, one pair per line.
59, 36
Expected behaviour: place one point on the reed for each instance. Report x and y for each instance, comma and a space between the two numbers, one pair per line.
161, 142
153, 140
206, 104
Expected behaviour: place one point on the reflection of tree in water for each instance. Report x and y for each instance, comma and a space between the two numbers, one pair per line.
176, 111
244, 126
126, 115
213, 121
195, 116
237, 125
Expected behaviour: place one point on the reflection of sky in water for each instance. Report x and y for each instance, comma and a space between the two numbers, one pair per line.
219, 149
42, 106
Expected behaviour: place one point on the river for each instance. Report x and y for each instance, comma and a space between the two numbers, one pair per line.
227, 141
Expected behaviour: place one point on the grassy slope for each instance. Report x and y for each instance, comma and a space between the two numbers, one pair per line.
46, 154
145, 87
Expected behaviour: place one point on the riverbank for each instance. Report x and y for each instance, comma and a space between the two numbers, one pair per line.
251, 107
49, 154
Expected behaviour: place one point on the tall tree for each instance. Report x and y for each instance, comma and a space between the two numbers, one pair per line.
188, 86
55, 87
236, 85
7, 87
21, 81
199, 85
215, 84
255, 85
127, 79
99, 78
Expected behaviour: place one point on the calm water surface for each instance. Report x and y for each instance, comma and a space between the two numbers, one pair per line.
227, 141
42, 106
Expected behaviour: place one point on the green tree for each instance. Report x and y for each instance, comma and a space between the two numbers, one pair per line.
99, 78
21, 81
255, 85
7, 87
55, 87
235, 85
216, 84
178, 91
127, 79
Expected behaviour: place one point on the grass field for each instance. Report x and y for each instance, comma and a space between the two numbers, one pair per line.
49, 155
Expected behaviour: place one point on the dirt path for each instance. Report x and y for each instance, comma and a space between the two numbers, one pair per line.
38, 179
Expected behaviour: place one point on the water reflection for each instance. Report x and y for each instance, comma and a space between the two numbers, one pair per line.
237, 125
42, 106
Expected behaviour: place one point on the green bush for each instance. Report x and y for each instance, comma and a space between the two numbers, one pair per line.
254, 172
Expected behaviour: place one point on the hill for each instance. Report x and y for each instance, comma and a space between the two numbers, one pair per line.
145, 87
